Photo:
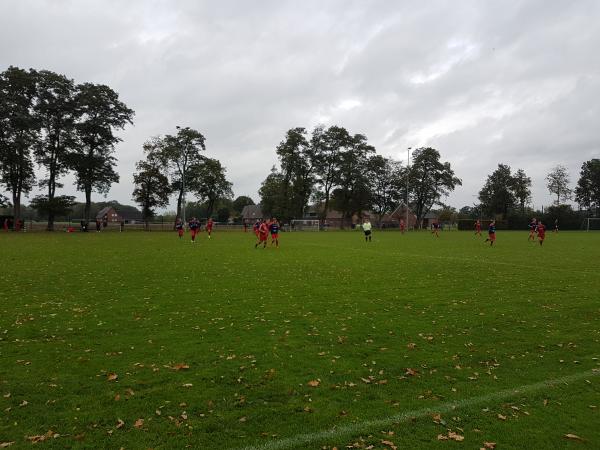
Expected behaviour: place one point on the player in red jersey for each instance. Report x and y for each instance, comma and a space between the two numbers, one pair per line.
402, 226
478, 228
209, 226
263, 234
179, 227
274, 229
541, 232
491, 233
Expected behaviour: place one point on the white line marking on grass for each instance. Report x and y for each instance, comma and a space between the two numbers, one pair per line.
357, 428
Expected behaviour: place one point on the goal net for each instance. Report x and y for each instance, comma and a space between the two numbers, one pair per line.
591, 224
304, 225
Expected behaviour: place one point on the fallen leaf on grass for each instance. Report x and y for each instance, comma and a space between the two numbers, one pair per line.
6, 444
120, 423
573, 436
24, 403
501, 417
314, 383
139, 423
390, 444
180, 366
187, 385
490, 445
411, 345
111, 376
42, 437
411, 372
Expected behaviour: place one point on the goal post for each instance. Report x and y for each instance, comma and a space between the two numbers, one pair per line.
591, 224
305, 225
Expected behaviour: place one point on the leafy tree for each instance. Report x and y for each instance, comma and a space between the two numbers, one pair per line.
430, 179
4, 203
240, 202
223, 214
297, 159
19, 132
385, 182
328, 146
210, 183
558, 183
57, 112
272, 200
353, 194
101, 113
497, 196
181, 154
152, 188
59, 205
521, 187
587, 192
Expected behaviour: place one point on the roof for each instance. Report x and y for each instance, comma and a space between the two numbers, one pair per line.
103, 212
430, 215
252, 212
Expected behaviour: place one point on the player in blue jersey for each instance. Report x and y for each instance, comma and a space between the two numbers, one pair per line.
532, 229
491, 233
274, 229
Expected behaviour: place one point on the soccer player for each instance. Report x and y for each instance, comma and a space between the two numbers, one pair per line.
209, 226
179, 227
477, 228
491, 233
402, 226
435, 228
274, 229
194, 226
541, 231
263, 234
532, 229
366, 226
556, 226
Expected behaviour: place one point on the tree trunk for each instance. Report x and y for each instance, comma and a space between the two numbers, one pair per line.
179, 201
88, 203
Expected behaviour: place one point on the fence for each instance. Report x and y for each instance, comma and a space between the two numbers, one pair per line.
35, 226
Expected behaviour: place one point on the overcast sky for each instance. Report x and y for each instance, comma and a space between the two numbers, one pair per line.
484, 82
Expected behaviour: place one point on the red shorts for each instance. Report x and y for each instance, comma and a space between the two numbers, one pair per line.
256, 232
208, 229
194, 232
263, 237
275, 236
492, 236
541, 236
180, 232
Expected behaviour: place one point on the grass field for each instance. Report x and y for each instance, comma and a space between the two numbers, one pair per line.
219, 345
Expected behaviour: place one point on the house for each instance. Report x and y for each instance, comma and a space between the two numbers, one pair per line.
251, 213
110, 213
400, 214
429, 219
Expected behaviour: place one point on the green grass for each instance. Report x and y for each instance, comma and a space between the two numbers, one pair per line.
255, 326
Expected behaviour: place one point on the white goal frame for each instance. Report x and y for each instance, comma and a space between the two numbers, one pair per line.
305, 225
586, 223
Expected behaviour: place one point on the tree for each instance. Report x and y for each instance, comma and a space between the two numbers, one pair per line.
385, 182
19, 133
240, 202
429, 179
152, 188
521, 187
56, 111
497, 196
353, 194
59, 205
587, 192
4, 203
558, 183
181, 154
209, 182
327, 146
272, 201
101, 112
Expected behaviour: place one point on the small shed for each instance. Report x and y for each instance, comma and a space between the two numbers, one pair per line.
110, 213
400, 214
429, 219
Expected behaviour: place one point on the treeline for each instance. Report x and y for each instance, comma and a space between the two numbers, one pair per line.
64, 127
334, 169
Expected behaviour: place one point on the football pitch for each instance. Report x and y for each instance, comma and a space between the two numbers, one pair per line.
140, 340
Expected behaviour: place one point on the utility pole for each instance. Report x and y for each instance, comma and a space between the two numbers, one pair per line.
407, 176
183, 188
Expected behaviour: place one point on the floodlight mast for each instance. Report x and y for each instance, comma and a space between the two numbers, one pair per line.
407, 176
